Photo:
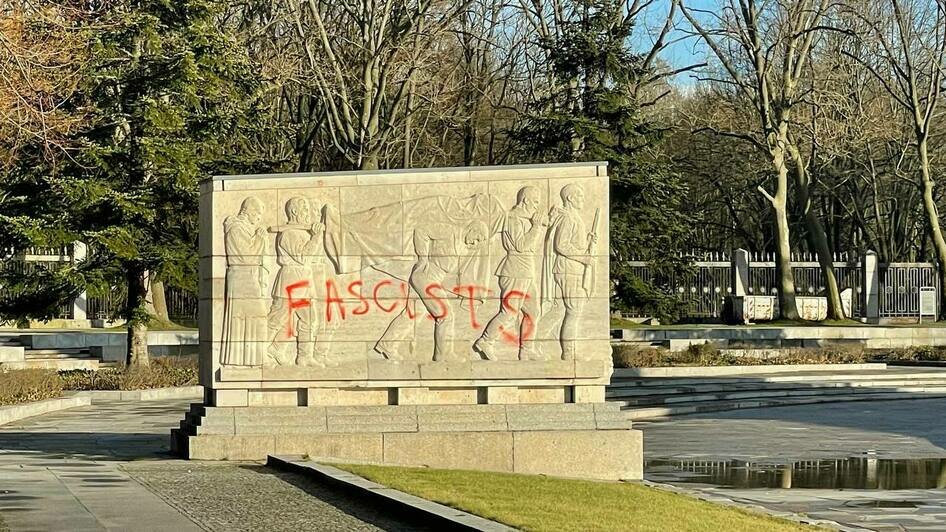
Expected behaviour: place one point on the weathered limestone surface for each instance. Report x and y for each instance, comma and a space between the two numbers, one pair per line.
572, 440
453, 278
422, 317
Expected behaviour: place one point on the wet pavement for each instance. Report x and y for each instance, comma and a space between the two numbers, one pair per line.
875, 465
847, 473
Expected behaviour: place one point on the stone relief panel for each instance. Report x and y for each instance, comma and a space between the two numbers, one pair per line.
465, 273
245, 312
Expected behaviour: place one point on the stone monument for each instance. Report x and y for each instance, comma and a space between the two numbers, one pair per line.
453, 317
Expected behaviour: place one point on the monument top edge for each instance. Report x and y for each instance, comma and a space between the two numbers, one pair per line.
409, 170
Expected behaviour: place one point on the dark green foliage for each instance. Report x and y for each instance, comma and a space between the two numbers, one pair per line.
163, 95
593, 113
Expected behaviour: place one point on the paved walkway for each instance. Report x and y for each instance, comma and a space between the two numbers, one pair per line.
883, 429
106, 467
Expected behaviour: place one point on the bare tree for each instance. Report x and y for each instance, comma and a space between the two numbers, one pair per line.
763, 49
906, 51
362, 58
41, 55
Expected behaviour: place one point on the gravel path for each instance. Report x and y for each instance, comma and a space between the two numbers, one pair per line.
253, 497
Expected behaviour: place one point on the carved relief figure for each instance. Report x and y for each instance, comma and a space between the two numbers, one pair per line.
292, 316
434, 280
569, 262
244, 321
523, 232
436, 245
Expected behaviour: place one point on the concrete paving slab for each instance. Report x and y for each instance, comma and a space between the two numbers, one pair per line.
107, 467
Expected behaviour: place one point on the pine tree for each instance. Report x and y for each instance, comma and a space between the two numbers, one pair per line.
592, 113
164, 92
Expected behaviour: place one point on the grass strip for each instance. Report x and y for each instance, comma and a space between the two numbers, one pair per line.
541, 503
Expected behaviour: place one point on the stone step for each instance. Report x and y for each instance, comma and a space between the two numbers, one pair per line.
761, 394
647, 382
426, 418
10, 353
630, 393
50, 354
662, 412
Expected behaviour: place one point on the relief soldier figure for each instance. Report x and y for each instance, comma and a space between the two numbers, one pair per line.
245, 330
523, 231
446, 249
444, 252
570, 264
292, 316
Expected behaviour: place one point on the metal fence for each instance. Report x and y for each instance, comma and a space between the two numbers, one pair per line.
703, 293
30, 262
809, 277
182, 305
900, 284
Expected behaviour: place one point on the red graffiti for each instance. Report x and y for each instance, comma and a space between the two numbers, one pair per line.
435, 297
296, 303
470, 295
331, 296
528, 324
443, 306
374, 295
354, 288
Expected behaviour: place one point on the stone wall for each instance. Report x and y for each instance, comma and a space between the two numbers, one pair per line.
444, 286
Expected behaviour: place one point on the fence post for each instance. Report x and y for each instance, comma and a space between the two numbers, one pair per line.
80, 304
871, 287
740, 271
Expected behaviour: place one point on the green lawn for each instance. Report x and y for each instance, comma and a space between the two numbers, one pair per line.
541, 503
622, 323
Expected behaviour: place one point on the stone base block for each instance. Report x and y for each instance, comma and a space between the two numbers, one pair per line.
12, 354
405, 395
594, 454
582, 440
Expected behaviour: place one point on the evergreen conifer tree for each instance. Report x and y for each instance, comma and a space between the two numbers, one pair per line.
163, 94
592, 113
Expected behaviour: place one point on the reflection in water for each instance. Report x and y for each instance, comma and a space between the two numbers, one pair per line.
850, 473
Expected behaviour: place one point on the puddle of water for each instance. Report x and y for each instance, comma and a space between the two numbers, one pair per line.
886, 504
850, 473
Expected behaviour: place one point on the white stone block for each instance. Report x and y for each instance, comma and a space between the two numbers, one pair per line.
444, 280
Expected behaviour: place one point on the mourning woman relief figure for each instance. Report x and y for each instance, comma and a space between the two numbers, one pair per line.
245, 326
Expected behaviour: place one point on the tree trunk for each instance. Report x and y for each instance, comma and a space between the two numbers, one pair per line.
158, 302
137, 317
783, 263
817, 237
932, 215
469, 143
370, 161
785, 277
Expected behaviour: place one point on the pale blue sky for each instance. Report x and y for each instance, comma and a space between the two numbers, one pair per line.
682, 52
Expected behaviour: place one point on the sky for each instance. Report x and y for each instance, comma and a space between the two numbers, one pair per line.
683, 52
